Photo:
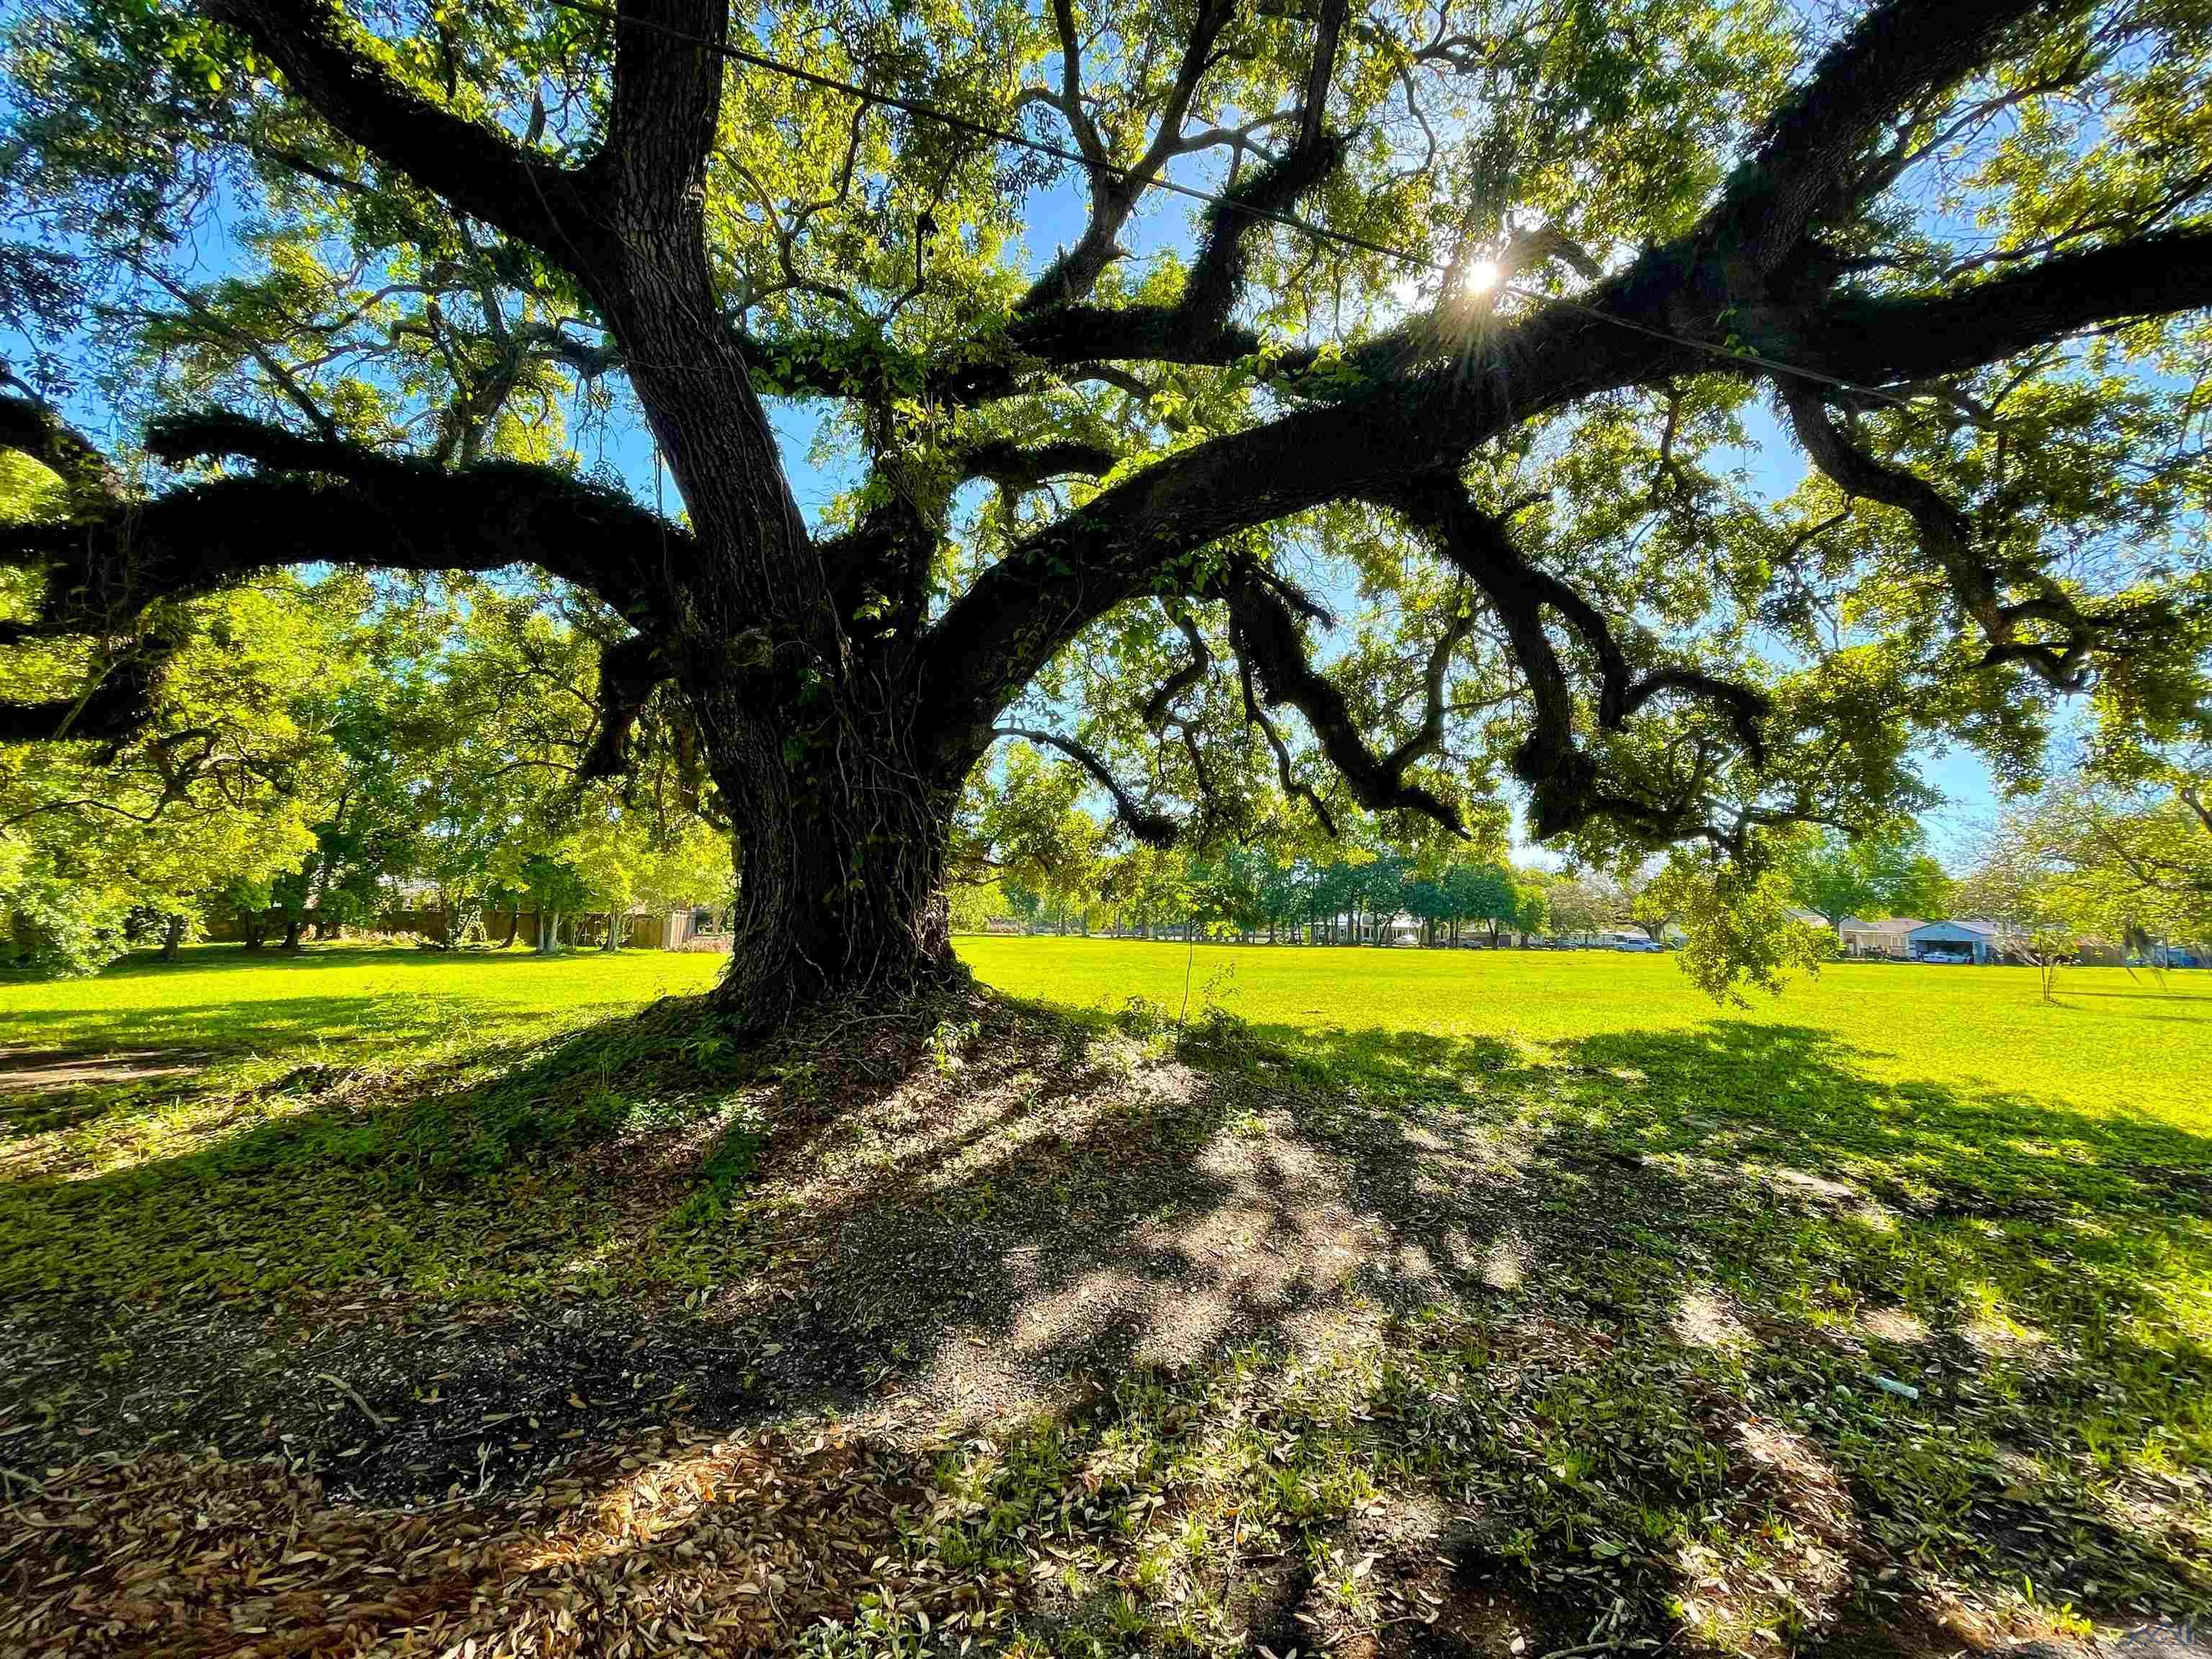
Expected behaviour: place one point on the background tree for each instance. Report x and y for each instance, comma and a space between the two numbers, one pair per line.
206, 798
1581, 906
2015, 877
1042, 838
1532, 907
1650, 901
554, 889
2126, 861
1484, 893
1962, 246
1885, 874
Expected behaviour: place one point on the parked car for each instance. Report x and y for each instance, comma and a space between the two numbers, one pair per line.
1639, 946
1947, 957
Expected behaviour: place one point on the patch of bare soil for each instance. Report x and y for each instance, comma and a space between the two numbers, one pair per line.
34, 1071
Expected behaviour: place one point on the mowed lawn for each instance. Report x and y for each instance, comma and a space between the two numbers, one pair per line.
2115, 1043
1341, 1300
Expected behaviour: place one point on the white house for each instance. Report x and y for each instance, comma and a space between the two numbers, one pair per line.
1979, 938
1400, 929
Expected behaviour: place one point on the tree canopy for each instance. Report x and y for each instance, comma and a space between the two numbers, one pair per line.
1889, 872
1405, 475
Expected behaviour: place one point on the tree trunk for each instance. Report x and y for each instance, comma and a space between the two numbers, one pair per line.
292, 926
255, 927
173, 935
842, 837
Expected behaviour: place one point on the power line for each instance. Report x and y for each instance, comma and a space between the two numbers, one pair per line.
916, 107
1002, 135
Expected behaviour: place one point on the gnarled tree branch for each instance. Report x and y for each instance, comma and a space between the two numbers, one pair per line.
1153, 828
334, 503
1268, 634
32, 427
1947, 535
482, 174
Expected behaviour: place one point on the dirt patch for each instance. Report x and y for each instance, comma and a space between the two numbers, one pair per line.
35, 1071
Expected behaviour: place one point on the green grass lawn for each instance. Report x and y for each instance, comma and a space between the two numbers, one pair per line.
2114, 1045
1888, 1303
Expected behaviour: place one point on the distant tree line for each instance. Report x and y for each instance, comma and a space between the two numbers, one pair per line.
1251, 894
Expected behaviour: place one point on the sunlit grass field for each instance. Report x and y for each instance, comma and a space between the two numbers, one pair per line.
368, 1001
2114, 1043
1913, 1231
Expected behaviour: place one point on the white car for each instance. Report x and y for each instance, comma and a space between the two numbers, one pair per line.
1640, 946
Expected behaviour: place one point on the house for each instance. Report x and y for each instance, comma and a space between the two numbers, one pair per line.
1978, 940
1888, 939
1405, 929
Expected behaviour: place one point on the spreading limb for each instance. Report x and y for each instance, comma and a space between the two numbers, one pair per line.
333, 504
1153, 828
1947, 535
1267, 633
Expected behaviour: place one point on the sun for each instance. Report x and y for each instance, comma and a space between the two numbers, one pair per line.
1483, 275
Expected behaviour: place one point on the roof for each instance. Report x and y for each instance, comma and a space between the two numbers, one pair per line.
1886, 925
1956, 929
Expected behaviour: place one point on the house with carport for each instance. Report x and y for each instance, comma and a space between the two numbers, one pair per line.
1982, 940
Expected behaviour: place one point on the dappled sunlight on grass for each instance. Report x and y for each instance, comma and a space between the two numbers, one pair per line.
1668, 1326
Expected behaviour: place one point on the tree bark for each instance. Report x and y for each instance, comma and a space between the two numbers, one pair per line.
173, 936
841, 883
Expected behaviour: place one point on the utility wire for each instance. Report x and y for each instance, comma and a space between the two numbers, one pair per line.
1288, 221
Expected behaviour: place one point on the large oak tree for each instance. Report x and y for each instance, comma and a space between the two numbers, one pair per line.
1957, 248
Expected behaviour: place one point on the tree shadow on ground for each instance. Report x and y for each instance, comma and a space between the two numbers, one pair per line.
231, 958
191, 1051
1702, 1337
